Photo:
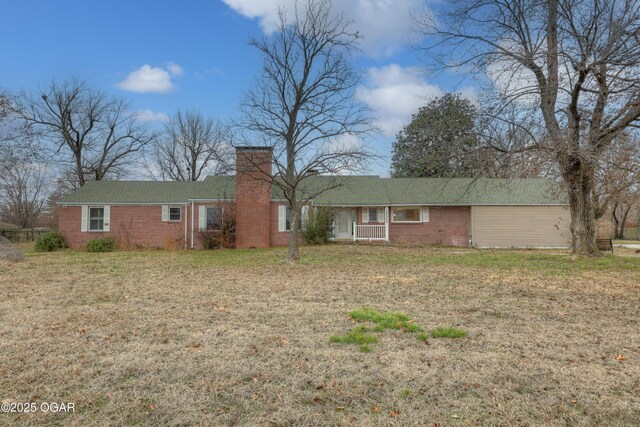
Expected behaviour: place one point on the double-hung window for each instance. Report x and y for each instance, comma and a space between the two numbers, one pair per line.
214, 217
96, 218
175, 213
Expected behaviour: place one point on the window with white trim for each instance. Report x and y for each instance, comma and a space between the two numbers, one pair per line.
406, 214
175, 213
96, 218
284, 218
373, 215
214, 217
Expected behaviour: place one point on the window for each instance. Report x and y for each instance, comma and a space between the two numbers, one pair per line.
411, 214
373, 215
96, 219
284, 218
174, 214
287, 221
214, 217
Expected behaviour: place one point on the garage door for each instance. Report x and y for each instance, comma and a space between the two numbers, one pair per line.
520, 226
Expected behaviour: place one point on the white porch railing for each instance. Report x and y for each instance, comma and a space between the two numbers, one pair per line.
370, 232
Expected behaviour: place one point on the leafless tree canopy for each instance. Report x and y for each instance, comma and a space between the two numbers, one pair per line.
94, 135
23, 187
573, 65
617, 189
192, 147
303, 104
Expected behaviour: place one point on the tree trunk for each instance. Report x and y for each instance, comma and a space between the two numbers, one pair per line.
583, 224
619, 224
294, 253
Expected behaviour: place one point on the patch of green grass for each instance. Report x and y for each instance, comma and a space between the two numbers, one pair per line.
447, 332
358, 335
405, 392
423, 337
388, 320
362, 335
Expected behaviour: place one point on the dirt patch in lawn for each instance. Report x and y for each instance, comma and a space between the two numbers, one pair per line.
240, 338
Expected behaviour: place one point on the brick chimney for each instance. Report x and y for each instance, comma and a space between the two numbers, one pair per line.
253, 196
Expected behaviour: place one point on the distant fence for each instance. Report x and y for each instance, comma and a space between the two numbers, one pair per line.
18, 235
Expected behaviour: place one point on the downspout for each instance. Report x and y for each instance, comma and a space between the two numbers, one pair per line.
192, 219
186, 224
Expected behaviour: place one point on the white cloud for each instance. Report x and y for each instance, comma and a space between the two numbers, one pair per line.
384, 24
395, 93
174, 69
149, 116
209, 71
148, 79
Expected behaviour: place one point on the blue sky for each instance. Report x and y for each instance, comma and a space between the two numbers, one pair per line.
167, 55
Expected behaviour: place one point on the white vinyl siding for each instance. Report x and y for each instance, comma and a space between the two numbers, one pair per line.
520, 226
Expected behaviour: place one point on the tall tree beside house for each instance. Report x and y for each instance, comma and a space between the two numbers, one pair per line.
574, 65
440, 142
303, 105
618, 177
23, 191
191, 147
617, 190
93, 135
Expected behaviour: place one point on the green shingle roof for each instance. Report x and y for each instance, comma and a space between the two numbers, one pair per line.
348, 191
131, 192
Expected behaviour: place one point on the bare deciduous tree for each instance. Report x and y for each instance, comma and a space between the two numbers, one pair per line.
192, 147
95, 135
22, 191
618, 181
572, 64
303, 105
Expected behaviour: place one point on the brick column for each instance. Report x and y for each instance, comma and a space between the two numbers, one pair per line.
253, 196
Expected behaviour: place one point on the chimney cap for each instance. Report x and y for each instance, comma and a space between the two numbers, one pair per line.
254, 148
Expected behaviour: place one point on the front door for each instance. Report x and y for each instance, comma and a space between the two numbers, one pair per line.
343, 224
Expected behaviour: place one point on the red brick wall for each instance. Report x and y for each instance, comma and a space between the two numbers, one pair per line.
447, 226
137, 226
253, 198
131, 226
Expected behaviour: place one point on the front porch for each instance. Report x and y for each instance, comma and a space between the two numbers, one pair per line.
366, 223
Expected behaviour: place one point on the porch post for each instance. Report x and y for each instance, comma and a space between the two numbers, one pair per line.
354, 231
386, 223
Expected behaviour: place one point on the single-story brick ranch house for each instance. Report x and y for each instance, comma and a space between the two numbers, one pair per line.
483, 213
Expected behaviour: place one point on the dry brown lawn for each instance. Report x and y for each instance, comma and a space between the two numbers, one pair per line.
241, 338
